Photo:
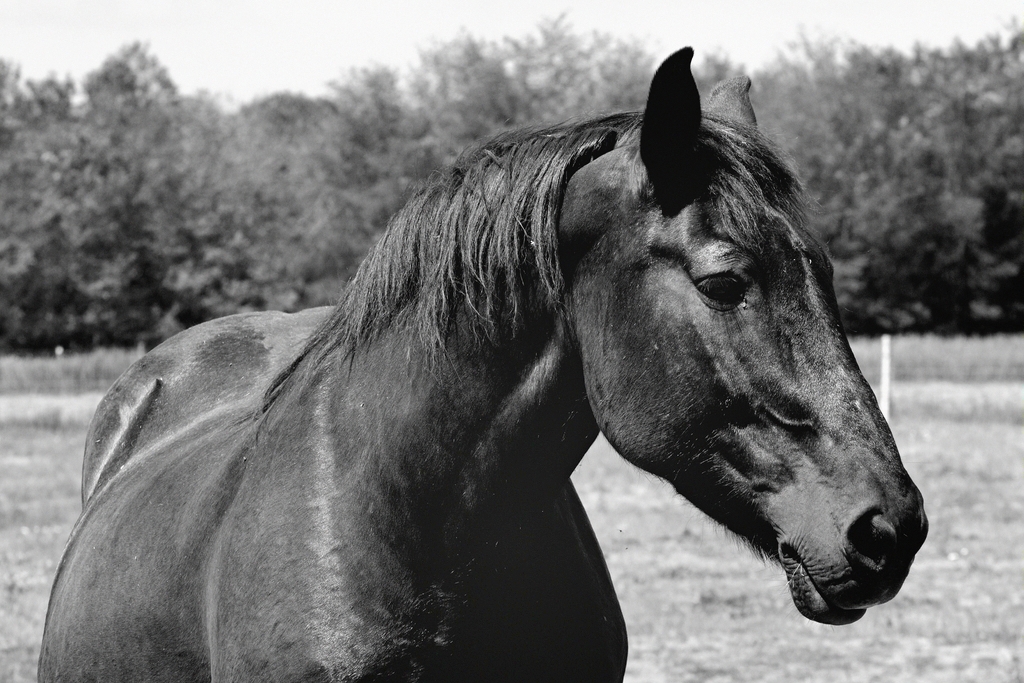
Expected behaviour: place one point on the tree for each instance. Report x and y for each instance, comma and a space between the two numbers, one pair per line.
85, 196
910, 159
131, 211
470, 89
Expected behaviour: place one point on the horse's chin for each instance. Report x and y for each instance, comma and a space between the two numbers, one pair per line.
811, 603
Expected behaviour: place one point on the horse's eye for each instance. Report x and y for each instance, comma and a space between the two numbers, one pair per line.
723, 291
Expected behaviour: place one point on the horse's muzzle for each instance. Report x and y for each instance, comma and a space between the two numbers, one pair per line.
837, 588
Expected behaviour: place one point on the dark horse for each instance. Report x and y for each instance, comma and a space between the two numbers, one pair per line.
381, 492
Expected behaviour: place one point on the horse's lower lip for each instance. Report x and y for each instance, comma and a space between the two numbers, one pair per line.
811, 603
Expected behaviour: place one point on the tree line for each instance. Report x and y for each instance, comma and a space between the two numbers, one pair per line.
129, 211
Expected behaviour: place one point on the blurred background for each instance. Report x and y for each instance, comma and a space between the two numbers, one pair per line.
132, 208
165, 163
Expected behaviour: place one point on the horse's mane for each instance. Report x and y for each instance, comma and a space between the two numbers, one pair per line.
481, 235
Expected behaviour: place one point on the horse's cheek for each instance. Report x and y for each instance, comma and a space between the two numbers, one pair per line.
613, 388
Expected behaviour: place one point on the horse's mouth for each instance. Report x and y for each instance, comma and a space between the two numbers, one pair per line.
808, 599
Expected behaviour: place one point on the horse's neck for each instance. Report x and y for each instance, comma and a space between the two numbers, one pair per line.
477, 435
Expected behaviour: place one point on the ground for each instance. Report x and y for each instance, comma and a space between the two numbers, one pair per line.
699, 606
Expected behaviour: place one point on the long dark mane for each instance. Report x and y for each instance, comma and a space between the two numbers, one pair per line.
482, 234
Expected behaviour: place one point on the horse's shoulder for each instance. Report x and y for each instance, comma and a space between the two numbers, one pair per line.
218, 369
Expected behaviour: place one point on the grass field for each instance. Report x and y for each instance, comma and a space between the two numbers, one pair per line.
67, 374
928, 358
998, 358
39, 501
699, 607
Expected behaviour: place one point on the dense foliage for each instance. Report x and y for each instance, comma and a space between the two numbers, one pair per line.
129, 211
917, 165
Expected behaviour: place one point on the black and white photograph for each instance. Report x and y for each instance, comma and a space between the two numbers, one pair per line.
547, 341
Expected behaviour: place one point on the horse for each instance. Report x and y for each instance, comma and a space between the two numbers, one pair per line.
380, 490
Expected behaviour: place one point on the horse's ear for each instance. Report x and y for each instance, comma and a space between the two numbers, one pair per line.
731, 100
587, 204
669, 132
597, 146
574, 218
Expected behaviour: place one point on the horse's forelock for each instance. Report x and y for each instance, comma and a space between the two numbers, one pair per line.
751, 189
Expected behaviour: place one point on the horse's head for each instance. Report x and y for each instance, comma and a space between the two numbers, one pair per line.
713, 352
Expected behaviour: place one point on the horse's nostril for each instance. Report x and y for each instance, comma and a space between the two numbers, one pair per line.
871, 540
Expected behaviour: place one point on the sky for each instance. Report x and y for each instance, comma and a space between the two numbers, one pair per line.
241, 49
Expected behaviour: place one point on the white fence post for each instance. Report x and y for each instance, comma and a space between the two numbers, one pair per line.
885, 388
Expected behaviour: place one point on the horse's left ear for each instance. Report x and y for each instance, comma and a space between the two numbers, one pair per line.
731, 100
585, 204
669, 132
596, 146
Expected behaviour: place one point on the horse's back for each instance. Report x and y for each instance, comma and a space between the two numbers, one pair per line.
218, 370
127, 600
163, 457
